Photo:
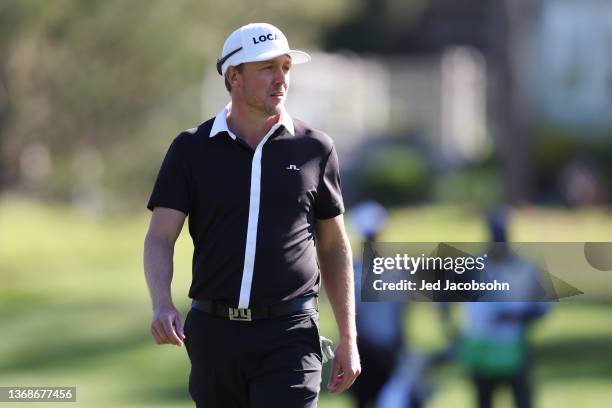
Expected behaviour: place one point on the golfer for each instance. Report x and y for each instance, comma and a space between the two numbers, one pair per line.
262, 193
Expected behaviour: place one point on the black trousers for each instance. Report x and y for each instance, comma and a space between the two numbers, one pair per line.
264, 363
519, 383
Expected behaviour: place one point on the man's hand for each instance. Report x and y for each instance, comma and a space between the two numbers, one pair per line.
345, 368
164, 229
167, 326
334, 254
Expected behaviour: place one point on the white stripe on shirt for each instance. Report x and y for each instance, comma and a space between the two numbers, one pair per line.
251, 240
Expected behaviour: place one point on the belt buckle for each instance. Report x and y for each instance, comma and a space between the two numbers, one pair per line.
240, 314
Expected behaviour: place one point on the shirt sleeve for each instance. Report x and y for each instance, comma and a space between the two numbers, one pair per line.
329, 203
172, 187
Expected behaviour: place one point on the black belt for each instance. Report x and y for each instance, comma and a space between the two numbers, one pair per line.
223, 309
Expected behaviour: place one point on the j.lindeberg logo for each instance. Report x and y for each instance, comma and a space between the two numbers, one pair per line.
264, 38
292, 167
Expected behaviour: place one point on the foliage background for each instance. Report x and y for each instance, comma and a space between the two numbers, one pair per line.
92, 92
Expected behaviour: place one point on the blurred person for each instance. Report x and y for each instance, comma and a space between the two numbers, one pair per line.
379, 324
260, 188
410, 386
494, 344
580, 183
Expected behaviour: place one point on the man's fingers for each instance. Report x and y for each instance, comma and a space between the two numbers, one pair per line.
171, 335
345, 369
159, 332
156, 336
346, 382
332, 374
335, 376
334, 386
343, 382
350, 379
336, 382
163, 327
178, 323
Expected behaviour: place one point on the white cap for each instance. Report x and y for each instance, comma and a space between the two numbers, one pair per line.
256, 42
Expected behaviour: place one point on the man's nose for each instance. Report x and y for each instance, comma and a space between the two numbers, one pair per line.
280, 76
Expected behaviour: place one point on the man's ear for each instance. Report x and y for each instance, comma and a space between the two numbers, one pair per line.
232, 76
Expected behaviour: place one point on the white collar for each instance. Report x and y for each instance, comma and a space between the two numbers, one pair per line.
220, 123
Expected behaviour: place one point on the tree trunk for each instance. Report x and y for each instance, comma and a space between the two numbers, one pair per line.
509, 23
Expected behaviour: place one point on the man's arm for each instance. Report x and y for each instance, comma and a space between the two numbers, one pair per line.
336, 263
164, 229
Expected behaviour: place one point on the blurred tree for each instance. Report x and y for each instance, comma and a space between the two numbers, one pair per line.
3, 115
81, 75
410, 26
509, 24
498, 28
97, 88
8, 22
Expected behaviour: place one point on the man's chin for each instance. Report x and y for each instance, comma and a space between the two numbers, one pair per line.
275, 109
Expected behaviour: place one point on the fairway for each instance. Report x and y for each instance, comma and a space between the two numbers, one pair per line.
74, 309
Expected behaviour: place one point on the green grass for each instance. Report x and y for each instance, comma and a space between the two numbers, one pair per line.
74, 309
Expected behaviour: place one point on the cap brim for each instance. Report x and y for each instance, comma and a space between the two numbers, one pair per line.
297, 56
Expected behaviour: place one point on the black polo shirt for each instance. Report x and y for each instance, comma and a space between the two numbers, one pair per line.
252, 213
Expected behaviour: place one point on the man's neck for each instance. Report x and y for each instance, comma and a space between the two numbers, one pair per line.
249, 125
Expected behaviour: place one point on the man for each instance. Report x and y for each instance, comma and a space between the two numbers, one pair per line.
379, 323
495, 346
259, 188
